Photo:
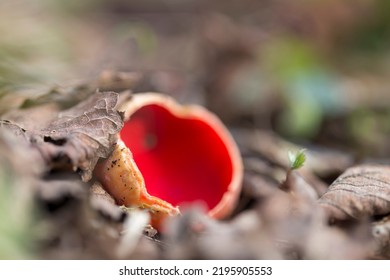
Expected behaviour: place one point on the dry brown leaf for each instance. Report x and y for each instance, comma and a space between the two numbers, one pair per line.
82, 134
79, 136
362, 191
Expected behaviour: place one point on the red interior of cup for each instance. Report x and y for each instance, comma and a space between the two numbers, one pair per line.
182, 159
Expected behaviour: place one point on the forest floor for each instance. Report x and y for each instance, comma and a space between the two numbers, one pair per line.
283, 82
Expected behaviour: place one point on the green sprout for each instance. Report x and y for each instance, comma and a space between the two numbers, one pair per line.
297, 160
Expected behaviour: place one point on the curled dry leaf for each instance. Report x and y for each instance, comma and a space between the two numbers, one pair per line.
79, 136
95, 117
362, 191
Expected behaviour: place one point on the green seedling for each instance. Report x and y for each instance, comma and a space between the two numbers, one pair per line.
297, 160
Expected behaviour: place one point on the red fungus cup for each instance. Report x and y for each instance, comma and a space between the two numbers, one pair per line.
184, 153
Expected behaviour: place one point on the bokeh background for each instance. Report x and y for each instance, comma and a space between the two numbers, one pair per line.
314, 70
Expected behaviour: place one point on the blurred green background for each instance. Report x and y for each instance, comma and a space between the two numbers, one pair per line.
314, 71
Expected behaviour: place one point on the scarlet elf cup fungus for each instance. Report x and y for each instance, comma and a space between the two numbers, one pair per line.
171, 155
